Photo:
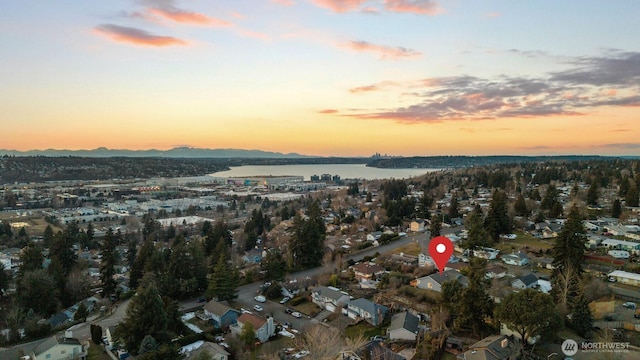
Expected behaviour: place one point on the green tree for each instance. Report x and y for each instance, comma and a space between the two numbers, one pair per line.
550, 198
568, 254
148, 344
353, 189
307, 242
631, 198
593, 193
454, 207
497, 221
435, 226
223, 282
145, 316
82, 313
581, 317
31, 257
520, 206
4, 282
248, 334
219, 233
616, 208
47, 237
274, 265
37, 290
107, 264
424, 204
477, 235
144, 256
529, 313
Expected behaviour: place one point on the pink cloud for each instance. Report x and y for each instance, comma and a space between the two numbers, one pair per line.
425, 7
188, 17
339, 5
385, 52
136, 36
328, 111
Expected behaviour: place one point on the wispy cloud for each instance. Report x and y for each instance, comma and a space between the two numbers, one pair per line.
621, 145
425, 7
328, 111
340, 6
385, 52
136, 36
284, 2
187, 17
612, 80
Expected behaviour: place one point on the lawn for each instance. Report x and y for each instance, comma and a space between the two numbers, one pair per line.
364, 328
307, 308
523, 240
409, 249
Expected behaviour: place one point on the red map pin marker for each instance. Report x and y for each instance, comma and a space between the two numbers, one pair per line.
440, 249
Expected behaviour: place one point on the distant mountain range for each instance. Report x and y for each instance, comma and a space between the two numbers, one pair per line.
178, 152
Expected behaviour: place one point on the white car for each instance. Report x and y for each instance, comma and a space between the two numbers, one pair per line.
260, 299
257, 308
284, 300
296, 314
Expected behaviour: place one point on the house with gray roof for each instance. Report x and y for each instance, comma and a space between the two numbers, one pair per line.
220, 314
365, 309
329, 298
525, 281
495, 347
59, 348
404, 326
434, 281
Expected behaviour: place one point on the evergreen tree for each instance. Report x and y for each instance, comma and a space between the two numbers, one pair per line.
593, 193
353, 189
145, 316
616, 208
307, 242
4, 282
223, 282
520, 206
631, 198
31, 257
107, 264
37, 290
477, 235
581, 318
219, 233
47, 237
144, 256
550, 198
424, 204
63, 258
498, 221
454, 207
82, 313
435, 226
274, 265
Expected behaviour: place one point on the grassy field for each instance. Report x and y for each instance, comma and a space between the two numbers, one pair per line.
307, 308
364, 328
409, 249
37, 224
523, 240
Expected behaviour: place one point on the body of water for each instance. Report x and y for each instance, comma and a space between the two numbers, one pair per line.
345, 171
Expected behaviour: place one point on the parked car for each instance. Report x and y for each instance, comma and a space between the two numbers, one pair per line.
288, 311
284, 300
629, 305
260, 298
296, 314
257, 308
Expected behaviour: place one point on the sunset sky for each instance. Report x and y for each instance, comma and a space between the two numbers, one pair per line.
322, 77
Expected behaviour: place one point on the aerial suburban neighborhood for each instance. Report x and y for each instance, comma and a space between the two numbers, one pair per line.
280, 267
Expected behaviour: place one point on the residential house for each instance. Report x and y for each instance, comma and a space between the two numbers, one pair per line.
329, 298
264, 328
213, 350
58, 319
525, 281
404, 326
374, 236
625, 277
434, 281
630, 246
220, 314
548, 230
365, 309
109, 334
517, 259
543, 262
495, 347
371, 350
417, 225
367, 271
405, 259
495, 272
59, 348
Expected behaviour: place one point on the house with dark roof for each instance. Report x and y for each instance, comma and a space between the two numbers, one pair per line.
495, 347
329, 298
59, 348
367, 310
434, 281
264, 328
404, 326
58, 319
517, 259
367, 271
211, 350
220, 314
525, 281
